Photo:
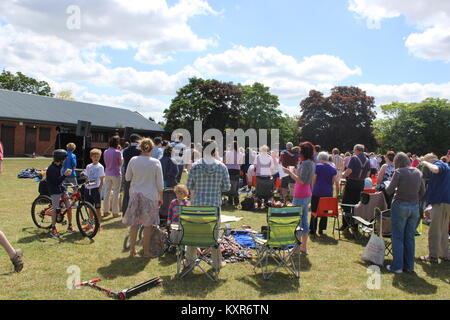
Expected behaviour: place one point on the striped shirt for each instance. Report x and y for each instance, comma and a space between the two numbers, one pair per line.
173, 215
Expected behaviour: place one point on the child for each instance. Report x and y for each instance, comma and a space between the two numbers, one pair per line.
55, 179
14, 254
95, 172
70, 163
174, 212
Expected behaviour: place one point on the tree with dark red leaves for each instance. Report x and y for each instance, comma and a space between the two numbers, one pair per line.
341, 120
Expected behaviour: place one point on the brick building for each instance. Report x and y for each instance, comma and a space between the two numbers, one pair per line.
32, 124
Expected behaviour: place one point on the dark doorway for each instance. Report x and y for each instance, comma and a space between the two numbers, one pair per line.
30, 140
7, 139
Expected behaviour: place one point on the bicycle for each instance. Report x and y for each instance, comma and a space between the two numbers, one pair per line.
86, 217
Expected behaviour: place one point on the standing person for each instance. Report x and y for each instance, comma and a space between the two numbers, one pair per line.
179, 149
317, 149
323, 181
339, 164
55, 176
302, 189
169, 169
288, 159
233, 160
246, 165
113, 162
70, 164
158, 152
387, 171
409, 188
265, 168
146, 196
357, 171
1, 157
95, 173
415, 161
207, 180
438, 196
128, 153
374, 165
347, 158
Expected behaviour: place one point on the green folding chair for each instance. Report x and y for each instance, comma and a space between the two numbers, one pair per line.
200, 229
282, 242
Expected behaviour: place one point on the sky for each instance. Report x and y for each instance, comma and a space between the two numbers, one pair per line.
136, 54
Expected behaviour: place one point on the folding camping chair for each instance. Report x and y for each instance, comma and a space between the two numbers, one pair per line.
381, 218
200, 229
282, 241
328, 207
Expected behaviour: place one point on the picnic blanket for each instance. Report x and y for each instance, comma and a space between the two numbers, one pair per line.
232, 251
225, 219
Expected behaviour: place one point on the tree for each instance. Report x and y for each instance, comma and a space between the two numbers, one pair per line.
341, 120
415, 127
213, 102
65, 95
22, 83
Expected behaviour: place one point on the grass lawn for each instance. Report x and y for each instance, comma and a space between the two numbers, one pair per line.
333, 269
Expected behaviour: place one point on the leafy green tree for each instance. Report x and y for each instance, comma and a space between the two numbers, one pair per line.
65, 95
22, 83
341, 120
415, 127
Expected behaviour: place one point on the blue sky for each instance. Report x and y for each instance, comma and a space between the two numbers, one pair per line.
136, 54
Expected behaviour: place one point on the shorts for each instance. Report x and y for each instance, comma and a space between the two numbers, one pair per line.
339, 175
93, 197
56, 201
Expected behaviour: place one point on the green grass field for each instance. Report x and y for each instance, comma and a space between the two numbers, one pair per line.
333, 269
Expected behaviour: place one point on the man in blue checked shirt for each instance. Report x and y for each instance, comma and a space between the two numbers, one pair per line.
207, 180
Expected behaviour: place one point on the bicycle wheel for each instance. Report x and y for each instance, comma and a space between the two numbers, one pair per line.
41, 205
87, 220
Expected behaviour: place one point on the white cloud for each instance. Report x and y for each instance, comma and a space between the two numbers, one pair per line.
406, 92
152, 28
431, 17
49, 57
270, 63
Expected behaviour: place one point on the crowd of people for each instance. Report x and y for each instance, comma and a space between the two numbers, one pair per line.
298, 176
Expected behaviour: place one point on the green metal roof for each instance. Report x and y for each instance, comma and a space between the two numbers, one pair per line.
29, 107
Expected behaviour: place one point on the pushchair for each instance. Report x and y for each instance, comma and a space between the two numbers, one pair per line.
264, 190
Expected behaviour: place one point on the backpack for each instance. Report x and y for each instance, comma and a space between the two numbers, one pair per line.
248, 204
158, 242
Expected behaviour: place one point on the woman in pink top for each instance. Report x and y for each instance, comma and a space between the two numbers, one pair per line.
113, 176
302, 189
415, 161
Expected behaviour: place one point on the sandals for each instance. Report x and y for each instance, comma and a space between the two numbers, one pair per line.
444, 259
17, 261
429, 259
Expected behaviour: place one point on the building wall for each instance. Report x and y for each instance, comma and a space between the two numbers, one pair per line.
42, 147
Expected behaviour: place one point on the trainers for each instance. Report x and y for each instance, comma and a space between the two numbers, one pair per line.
70, 229
394, 271
17, 261
54, 233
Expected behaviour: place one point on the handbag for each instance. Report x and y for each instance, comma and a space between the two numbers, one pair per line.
374, 250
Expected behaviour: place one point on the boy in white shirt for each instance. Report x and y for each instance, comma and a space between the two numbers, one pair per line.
95, 172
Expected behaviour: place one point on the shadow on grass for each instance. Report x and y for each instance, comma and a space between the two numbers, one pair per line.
123, 267
113, 225
194, 285
440, 271
413, 284
279, 283
324, 239
41, 235
167, 259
